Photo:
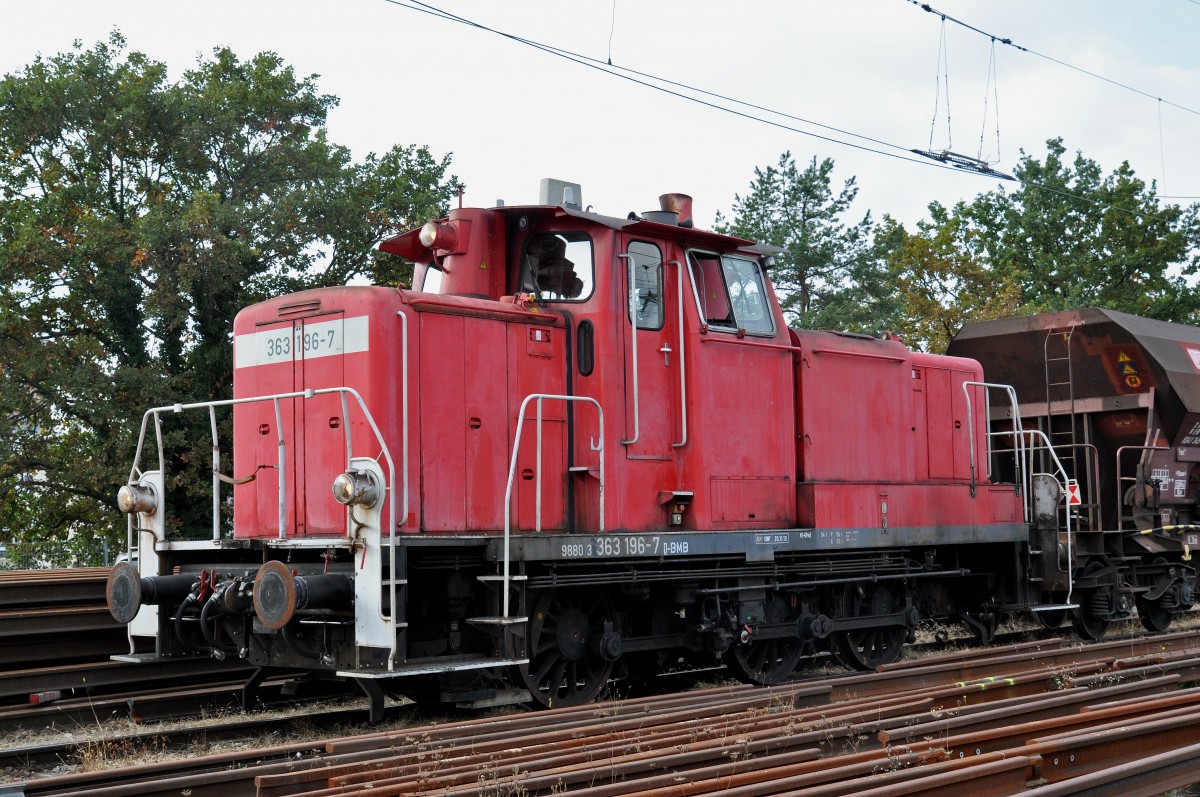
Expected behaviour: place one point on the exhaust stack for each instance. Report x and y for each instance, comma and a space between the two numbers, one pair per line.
680, 204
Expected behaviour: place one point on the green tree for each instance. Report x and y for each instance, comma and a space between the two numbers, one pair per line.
827, 275
137, 216
938, 281
1067, 237
1071, 237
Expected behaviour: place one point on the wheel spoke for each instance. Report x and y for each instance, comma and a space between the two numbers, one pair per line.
543, 669
867, 648
768, 661
563, 670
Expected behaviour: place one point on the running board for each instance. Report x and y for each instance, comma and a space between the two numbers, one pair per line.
432, 667
497, 620
1054, 607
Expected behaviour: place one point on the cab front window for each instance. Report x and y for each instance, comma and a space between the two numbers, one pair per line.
557, 266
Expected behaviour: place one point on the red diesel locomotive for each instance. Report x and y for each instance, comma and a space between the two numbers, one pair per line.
585, 446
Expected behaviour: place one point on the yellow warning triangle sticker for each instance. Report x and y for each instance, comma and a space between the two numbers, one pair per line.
1129, 369
1122, 357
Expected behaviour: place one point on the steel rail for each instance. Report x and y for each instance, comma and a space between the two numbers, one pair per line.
744, 742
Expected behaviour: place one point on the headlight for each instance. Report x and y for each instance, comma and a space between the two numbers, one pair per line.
137, 498
356, 487
439, 235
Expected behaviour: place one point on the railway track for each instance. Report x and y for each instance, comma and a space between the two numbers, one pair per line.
1106, 718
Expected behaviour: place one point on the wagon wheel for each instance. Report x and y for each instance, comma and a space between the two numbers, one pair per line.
768, 661
1153, 614
1156, 614
1088, 625
565, 666
1051, 619
1090, 619
867, 648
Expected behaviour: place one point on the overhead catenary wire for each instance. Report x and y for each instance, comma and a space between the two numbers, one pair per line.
1162, 149
943, 70
1003, 40
611, 29
993, 82
678, 89
644, 78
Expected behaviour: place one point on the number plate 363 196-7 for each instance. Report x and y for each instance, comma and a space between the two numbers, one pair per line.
612, 546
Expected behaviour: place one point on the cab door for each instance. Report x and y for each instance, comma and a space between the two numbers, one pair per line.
650, 333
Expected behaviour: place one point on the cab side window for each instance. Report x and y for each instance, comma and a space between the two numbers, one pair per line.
731, 293
646, 300
748, 295
710, 288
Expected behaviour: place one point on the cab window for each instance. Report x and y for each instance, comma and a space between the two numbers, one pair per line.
748, 295
709, 285
557, 266
427, 278
731, 293
646, 300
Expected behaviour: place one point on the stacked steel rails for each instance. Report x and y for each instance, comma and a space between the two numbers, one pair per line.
1112, 718
57, 638
56, 617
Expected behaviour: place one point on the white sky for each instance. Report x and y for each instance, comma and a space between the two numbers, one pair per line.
511, 115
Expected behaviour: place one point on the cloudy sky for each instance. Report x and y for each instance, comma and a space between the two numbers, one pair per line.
511, 113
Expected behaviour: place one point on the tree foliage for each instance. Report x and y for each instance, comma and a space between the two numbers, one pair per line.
1067, 237
940, 280
137, 216
826, 275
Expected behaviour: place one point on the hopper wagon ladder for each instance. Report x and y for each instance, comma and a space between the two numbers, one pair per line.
1070, 436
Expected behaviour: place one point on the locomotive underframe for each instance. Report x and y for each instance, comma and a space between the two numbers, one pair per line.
759, 608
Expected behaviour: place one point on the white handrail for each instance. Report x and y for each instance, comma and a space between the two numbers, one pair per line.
216, 468
392, 524
1022, 452
633, 345
682, 365
597, 446
282, 470
1070, 570
1017, 430
275, 398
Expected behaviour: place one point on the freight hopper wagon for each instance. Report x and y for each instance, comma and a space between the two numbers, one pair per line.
581, 447
1119, 399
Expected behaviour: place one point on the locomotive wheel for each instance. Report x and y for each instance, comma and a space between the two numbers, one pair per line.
867, 648
1154, 616
767, 661
565, 668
